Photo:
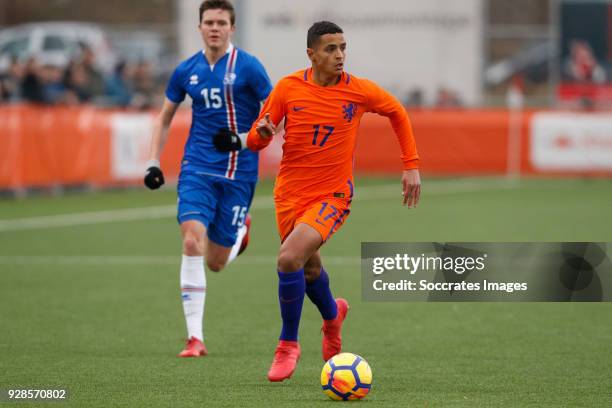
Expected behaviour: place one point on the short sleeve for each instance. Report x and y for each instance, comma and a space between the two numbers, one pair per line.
175, 91
259, 80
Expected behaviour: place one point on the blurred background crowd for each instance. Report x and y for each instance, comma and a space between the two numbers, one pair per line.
68, 52
467, 53
50, 81
70, 63
510, 87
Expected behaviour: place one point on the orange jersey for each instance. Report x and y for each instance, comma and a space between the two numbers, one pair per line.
320, 133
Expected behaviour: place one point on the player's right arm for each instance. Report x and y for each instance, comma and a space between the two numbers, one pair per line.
270, 116
154, 177
175, 94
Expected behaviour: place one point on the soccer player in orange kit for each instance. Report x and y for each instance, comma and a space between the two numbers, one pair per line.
322, 107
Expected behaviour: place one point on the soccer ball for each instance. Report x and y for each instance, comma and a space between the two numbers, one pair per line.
346, 376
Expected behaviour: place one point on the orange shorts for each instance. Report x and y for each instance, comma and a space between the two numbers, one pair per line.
326, 215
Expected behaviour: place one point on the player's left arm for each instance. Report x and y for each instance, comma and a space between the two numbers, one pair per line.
271, 114
381, 102
225, 140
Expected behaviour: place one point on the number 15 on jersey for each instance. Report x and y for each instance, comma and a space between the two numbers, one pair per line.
212, 98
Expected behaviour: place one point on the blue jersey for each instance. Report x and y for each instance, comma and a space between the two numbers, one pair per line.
225, 95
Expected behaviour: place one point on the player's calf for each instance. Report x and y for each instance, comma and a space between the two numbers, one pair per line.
215, 266
313, 268
217, 256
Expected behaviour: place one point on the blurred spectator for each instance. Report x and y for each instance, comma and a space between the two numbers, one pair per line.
414, 98
51, 83
144, 86
31, 87
582, 65
515, 95
95, 80
119, 87
10, 82
46, 81
77, 84
447, 98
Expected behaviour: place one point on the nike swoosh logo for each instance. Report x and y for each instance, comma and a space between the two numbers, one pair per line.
283, 300
298, 108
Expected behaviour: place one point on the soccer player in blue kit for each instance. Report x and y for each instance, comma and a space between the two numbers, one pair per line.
215, 189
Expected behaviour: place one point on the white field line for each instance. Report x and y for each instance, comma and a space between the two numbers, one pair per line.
145, 260
259, 203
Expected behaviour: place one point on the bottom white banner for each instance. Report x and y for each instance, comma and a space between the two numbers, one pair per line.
130, 139
571, 142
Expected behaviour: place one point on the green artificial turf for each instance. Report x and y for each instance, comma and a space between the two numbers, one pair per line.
95, 308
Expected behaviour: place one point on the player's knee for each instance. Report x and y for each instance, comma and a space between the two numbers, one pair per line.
289, 262
214, 265
192, 246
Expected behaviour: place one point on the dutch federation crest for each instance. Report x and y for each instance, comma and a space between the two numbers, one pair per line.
349, 110
229, 78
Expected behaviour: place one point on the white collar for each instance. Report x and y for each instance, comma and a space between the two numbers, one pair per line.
229, 50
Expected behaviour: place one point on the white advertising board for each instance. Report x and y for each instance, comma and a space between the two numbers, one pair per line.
404, 45
571, 142
130, 142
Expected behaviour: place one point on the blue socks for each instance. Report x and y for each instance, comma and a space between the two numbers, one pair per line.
319, 293
291, 288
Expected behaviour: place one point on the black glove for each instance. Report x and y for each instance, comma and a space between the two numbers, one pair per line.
227, 141
154, 178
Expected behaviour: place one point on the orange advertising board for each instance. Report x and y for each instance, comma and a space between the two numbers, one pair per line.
46, 147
